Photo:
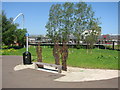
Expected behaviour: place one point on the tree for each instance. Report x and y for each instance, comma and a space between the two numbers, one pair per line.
8, 30
69, 19
20, 34
10, 33
94, 32
66, 30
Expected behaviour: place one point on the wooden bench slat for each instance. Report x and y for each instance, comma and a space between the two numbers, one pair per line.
52, 65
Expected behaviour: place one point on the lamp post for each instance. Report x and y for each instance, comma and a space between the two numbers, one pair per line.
26, 41
26, 55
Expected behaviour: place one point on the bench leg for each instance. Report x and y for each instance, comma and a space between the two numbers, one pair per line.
40, 66
59, 70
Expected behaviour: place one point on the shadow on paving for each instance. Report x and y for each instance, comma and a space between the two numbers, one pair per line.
30, 78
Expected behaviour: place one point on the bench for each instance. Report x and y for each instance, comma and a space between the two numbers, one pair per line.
59, 67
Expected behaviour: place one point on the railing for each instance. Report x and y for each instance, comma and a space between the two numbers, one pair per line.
35, 43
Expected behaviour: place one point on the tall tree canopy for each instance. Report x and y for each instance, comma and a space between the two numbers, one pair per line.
71, 18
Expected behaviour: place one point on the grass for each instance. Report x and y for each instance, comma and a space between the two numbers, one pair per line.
110, 46
100, 58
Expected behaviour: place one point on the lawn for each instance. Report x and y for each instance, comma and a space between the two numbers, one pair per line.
100, 58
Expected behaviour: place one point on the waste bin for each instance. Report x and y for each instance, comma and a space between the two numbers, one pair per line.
27, 58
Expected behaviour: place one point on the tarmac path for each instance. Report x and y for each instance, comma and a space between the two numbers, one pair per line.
30, 78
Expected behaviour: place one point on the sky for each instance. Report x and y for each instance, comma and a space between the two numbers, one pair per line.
37, 14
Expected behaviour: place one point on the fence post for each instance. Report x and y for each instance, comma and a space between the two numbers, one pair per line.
113, 47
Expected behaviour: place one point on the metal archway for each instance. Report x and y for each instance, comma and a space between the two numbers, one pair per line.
20, 14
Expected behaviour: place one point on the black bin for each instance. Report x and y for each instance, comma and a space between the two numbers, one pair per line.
27, 58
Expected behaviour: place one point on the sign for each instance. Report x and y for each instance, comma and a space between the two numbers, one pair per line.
26, 34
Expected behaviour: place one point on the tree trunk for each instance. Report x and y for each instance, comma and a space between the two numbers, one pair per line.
87, 48
64, 56
56, 53
39, 54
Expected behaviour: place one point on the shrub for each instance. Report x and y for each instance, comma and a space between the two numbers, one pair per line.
8, 51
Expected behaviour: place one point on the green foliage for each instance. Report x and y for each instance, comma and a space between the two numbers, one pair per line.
8, 30
20, 36
81, 19
54, 22
71, 18
60, 21
80, 47
67, 20
94, 30
91, 39
8, 51
4, 46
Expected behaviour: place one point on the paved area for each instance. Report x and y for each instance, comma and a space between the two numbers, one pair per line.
74, 74
31, 78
